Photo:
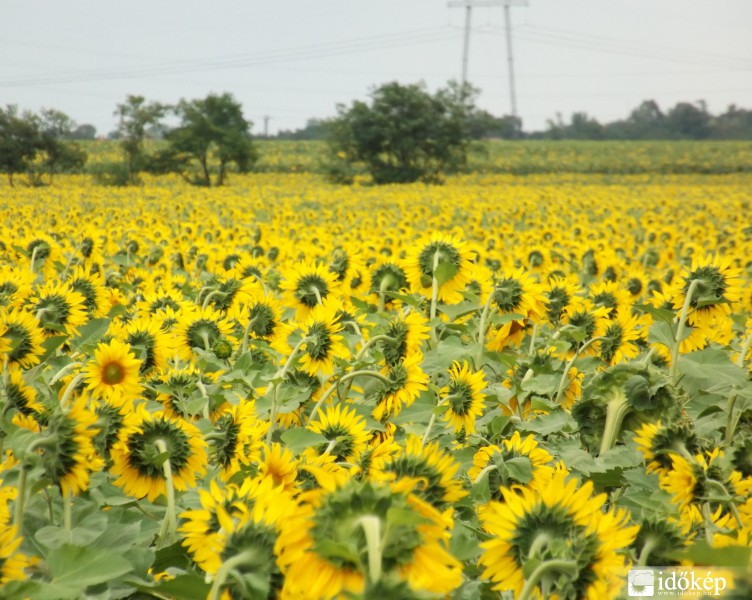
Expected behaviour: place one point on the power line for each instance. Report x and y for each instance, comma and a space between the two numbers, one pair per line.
379, 42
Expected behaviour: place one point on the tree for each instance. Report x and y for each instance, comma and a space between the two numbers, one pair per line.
83, 132
212, 135
404, 134
687, 121
59, 156
19, 142
136, 116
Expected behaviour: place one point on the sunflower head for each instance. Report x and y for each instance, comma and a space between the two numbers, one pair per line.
463, 396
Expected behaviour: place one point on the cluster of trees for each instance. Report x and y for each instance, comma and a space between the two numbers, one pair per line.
35, 145
403, 134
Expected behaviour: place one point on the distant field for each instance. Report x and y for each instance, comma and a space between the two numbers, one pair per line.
525, 157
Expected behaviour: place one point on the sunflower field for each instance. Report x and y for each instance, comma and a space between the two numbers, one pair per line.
502, 387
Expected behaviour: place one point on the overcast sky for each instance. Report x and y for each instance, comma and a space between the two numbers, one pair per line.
295, 59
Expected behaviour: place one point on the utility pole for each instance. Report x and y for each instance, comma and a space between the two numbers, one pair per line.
266, 125
468, 6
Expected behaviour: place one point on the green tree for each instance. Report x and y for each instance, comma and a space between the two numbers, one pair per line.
405, 134
59, 156
136, 116
213, 134
19, 142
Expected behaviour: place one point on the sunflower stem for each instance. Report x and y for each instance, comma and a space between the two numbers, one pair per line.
229, 565
615, 412
332, 388
371, 525
169, 525
281, 374
211, 295
532, 339
709, 525
568, 567
745, 348
563, 382
18, 512
68, 515
316, 293
369, 343
482, 327
486, 470
717, 485
70, 389
434, 284
246, 334
731, 420
63, 372
33, 257
384, 285
651, 544
680, 328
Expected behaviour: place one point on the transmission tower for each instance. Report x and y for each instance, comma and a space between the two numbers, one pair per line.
468, 5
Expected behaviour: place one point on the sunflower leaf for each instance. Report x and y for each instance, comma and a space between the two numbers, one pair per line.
82, 567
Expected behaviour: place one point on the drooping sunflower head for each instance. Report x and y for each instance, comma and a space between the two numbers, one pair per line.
406, 381
91, 287
517, 292
19, 395
464, 397
344, 430
15, 285
404, 337
306, 285
59, 309
562, 527
715, 286
237, 440
200, 328
558, 294
150, 344
324, 343
442, 257
73, 457
622, 334
280, 465
387, 277
138, 459
355, 517
427, 471
656, 441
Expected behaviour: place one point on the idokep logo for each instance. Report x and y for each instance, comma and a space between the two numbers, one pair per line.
641, 583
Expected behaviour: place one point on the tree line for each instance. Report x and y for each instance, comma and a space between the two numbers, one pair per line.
403, 134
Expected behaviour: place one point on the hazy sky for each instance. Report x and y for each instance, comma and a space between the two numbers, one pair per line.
295, 59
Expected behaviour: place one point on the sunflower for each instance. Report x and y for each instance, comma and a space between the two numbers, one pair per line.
113, 373
22, 332
406, 381
338, 545
280, 465
306, 285
323, 342
261, 318
223, 294
561, 527
13, 564
157, 301
718, 285
558, 293
387, 278
622, 336
137, 458
15, 285
442, 257
199, 328
236, 439
656, 441
405, 335
72, 458
239, 527
427, 471
59, 309
610, 296
177, 386
151, 345
19, 395
489, 458
464, 397
344, 430
589, 320
91, 287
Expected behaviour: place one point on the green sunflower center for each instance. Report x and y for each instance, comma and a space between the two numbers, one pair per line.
558, 300
227, 446
614, 337
634, 286
508, 294
605, 299
202, 334
460, 397
143, 343
41, 247
88, 291
388, 278
339, 538
711, 287
535, 259
429, 487
441, 255
320, 343
20, 339
344, 439
163, 302
144, 454
311, 288
585, 321
54, 311
263, 323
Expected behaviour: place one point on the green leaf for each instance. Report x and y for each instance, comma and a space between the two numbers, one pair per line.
298, 439
546, 424
710, 371
659, 314
90, 334
731, 556
662, 332
51, 344
81, 566
520, 468
184, 587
